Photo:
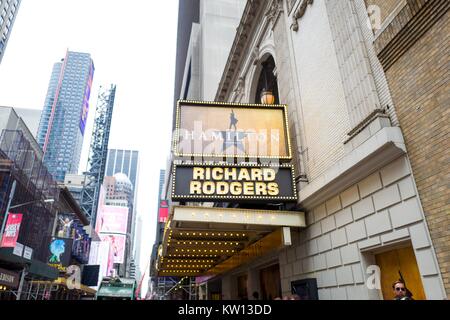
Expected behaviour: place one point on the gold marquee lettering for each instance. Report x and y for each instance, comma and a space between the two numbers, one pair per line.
234, 181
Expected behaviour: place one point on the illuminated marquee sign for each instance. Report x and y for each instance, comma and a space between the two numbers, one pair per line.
229, 182
227, 130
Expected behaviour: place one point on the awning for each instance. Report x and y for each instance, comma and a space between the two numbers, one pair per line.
119, 289
41, 270
63, 282
202, 241
37, 269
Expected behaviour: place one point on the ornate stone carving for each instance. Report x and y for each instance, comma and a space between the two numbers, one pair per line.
299, 13
274, 10
240, 88
255, 55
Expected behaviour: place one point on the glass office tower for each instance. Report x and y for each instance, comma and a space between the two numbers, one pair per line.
8, 12
63, 120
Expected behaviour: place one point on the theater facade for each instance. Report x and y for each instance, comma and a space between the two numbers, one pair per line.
297, 179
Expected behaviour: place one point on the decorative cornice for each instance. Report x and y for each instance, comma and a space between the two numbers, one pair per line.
240, 43
411, 23
299, 13
365, 122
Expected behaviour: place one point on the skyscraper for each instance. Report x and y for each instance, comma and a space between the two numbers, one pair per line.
123, 165
123, 161
65, 112
8, 12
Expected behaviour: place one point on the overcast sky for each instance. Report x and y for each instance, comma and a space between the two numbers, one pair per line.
133, 45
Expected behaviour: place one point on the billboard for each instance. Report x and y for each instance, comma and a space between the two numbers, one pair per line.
64, 225
87, 94
233, 182
163, 210
60, 253
218, 130
81, 244
11, 233
112, 219
117, 242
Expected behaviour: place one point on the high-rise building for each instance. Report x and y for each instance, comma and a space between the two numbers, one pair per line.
8, 13
65, 112
124, 161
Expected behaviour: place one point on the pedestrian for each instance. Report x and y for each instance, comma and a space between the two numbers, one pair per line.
400, 291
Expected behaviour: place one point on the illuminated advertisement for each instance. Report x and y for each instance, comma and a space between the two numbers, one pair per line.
64, 225
87, 94
101, 204
163, 213
112, 219
81, 244
117, 242
12, 228
233, 182
212, 129
60, 252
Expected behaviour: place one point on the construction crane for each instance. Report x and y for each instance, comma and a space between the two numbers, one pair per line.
98, 153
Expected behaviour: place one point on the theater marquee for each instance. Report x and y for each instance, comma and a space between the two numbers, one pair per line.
231, 182
220, 130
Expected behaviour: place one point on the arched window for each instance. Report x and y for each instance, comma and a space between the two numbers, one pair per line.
267, 83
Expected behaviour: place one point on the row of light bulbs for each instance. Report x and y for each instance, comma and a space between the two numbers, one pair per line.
191, 261
185, 266
181, 271
212, 234
219, 243
193, 255
205, 251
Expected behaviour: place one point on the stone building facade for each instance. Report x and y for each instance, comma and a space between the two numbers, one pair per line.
360, 185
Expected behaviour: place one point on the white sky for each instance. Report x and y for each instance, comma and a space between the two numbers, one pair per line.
133, 45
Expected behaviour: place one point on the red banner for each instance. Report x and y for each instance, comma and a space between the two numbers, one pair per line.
163, 211
11, 233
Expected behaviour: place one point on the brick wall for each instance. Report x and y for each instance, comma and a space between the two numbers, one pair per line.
386, 6
421, 92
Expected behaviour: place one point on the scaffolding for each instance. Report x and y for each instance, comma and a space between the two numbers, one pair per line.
19, 162
168, 288
98, 152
